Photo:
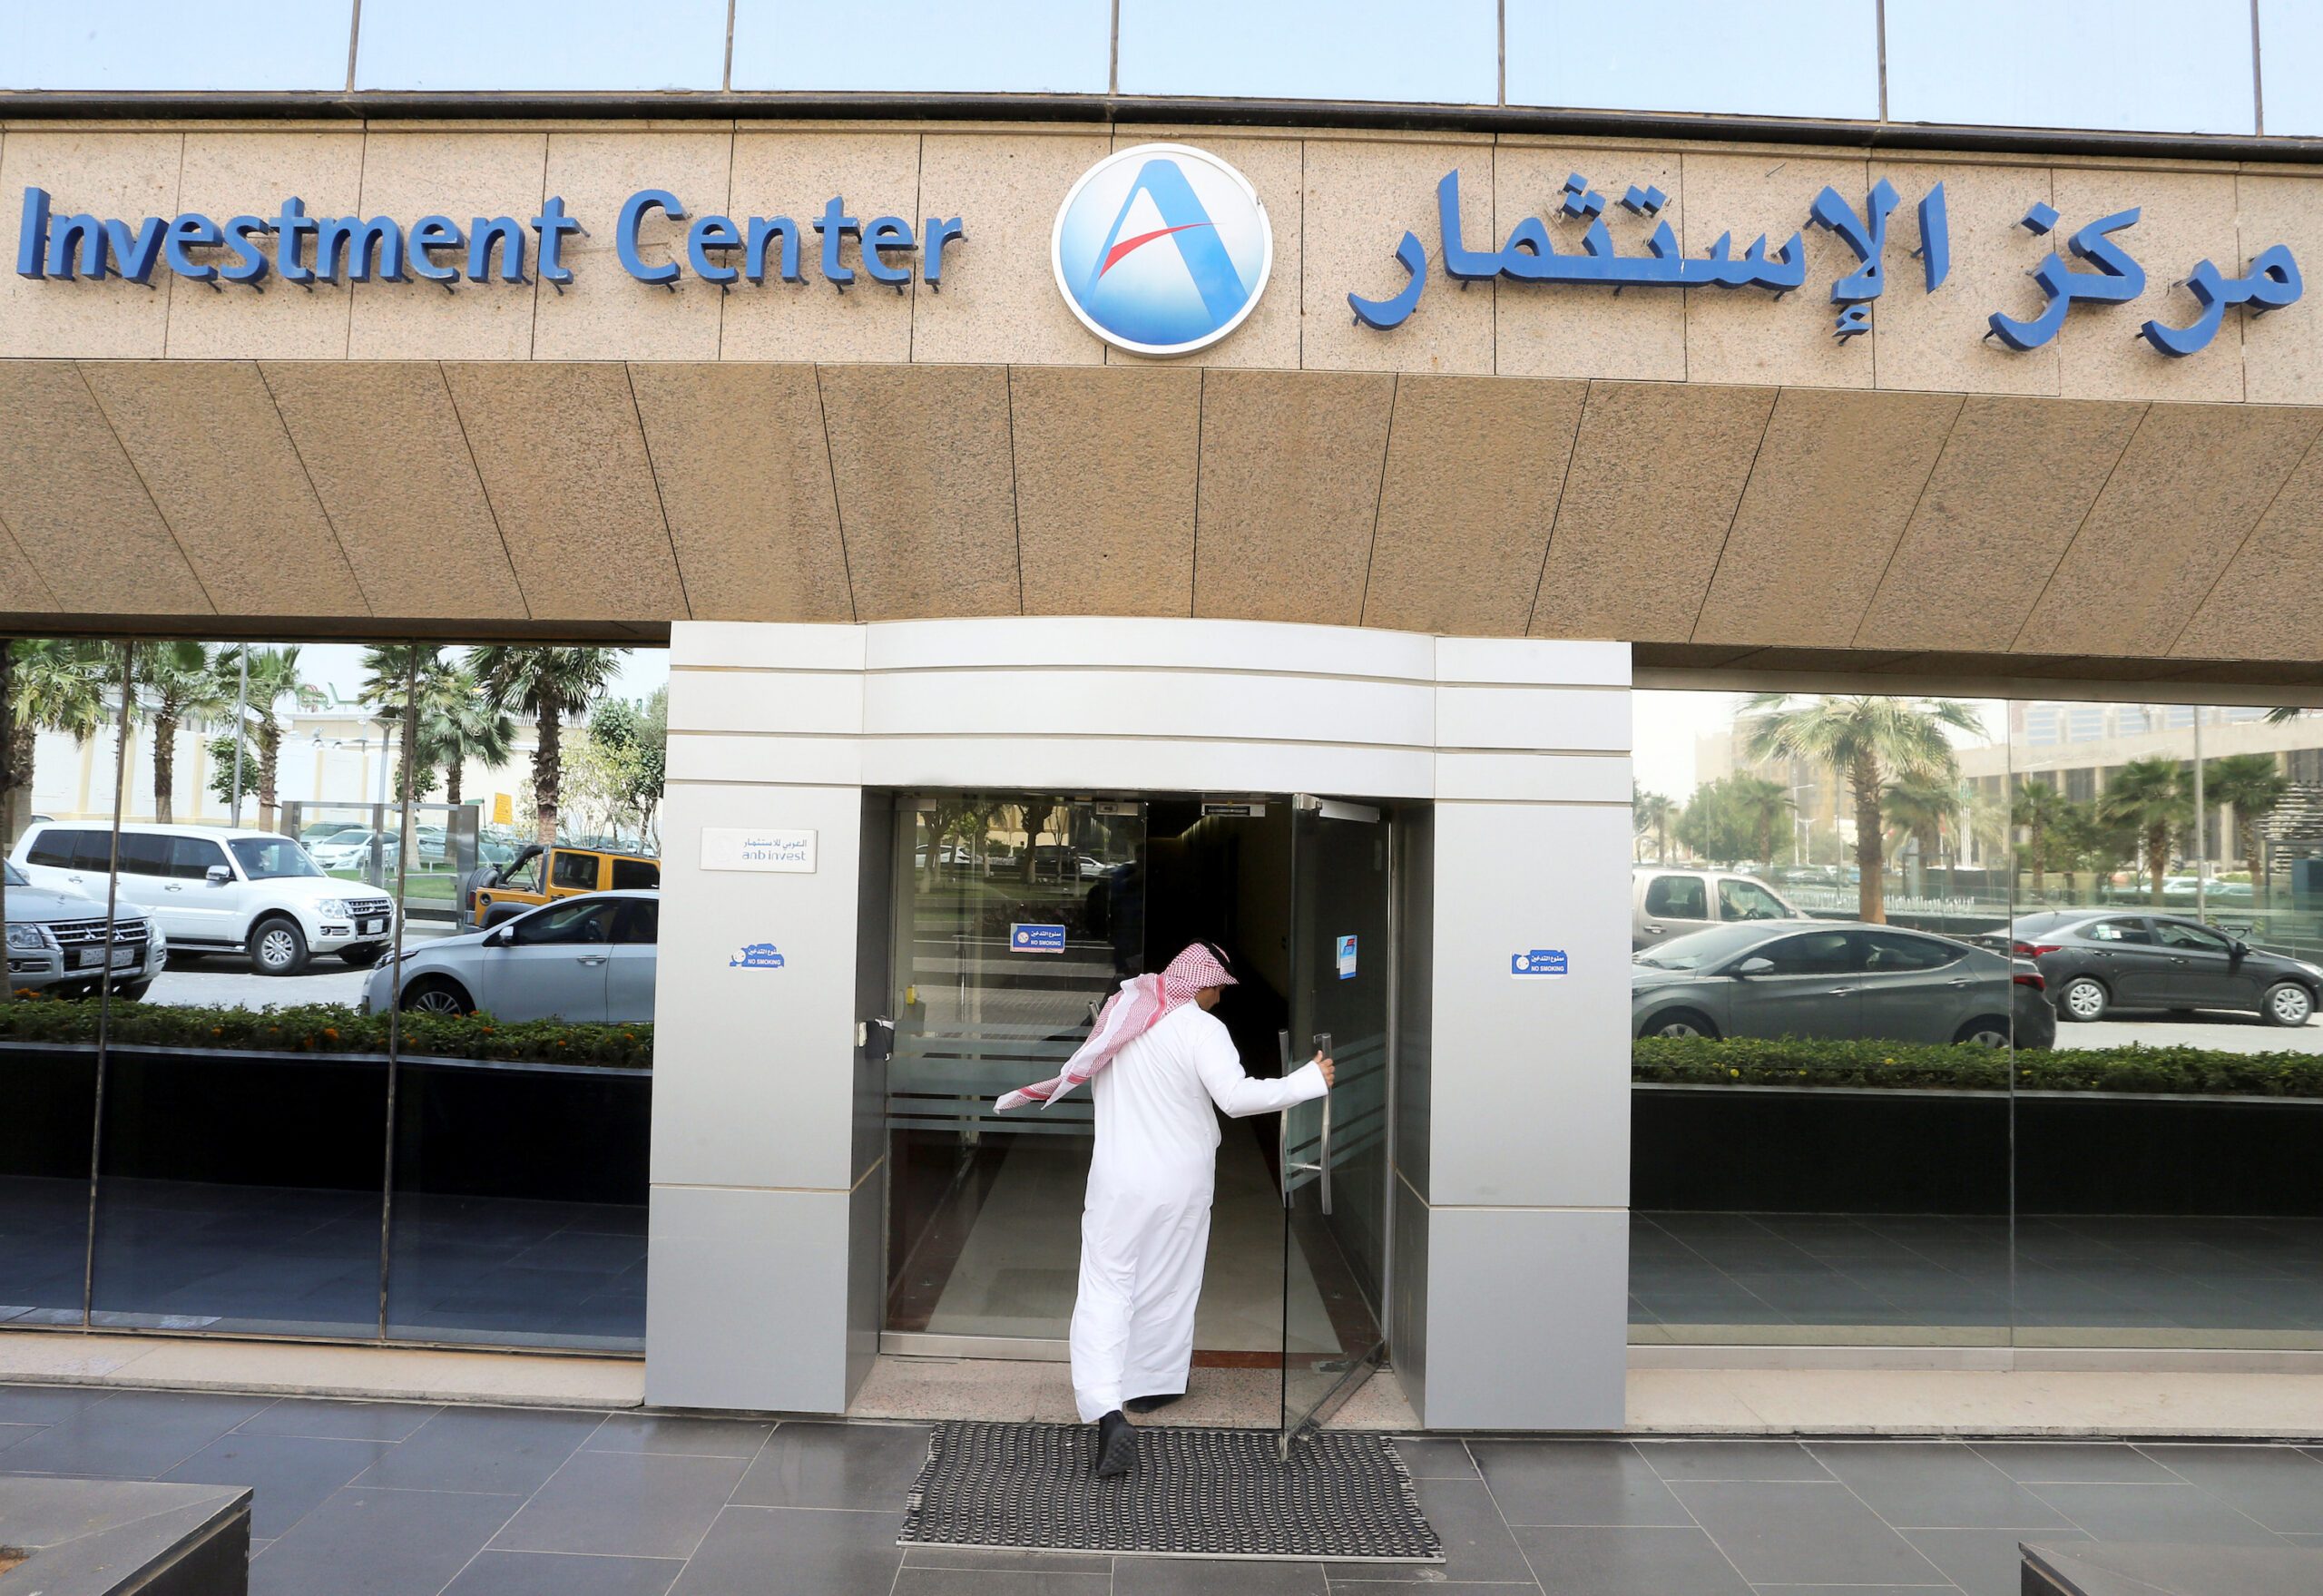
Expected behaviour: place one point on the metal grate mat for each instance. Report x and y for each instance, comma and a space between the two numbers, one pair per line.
1343, 1497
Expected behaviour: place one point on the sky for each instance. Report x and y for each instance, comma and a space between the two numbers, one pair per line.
339, 666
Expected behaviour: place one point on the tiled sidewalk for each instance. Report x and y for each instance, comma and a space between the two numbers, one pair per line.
389, 1499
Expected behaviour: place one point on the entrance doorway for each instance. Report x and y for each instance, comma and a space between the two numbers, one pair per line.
1015, 915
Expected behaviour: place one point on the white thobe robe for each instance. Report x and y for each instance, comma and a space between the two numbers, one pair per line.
1145, 1224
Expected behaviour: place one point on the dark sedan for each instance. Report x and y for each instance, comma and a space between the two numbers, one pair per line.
1844, 980
2099, 960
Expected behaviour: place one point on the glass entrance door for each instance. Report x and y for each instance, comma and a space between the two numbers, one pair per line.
1333, 1163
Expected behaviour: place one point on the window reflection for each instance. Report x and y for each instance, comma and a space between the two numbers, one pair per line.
280, 831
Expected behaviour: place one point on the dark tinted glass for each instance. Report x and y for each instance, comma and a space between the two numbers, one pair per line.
1816, 953
591, 920
192, 857
578, 870
641, 922
1889, 950
1679, 896
635, 875
145, 853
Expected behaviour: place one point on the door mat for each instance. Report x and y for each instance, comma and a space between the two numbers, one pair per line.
1343, 1496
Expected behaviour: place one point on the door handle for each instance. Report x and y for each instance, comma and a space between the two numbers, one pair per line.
1840, 991
1652, 929
1323, 1046
592, 959
1957, 981
1282, 1132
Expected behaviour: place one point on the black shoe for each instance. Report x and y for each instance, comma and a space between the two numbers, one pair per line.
1116, 1445
1148, 1404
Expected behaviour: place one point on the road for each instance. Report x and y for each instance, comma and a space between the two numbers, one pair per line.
2229, 1032
227, 979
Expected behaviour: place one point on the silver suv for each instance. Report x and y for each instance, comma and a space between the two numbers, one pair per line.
56, 943
1666, 903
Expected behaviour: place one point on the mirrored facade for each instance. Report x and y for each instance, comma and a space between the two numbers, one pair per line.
1976, 1022
321, 1031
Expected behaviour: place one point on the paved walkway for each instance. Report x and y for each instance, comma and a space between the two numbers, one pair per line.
388, 1499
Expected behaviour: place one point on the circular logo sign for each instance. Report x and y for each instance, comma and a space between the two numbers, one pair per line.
1161, 250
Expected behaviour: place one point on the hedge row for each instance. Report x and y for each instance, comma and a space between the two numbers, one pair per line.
1791, 1061
328, 1028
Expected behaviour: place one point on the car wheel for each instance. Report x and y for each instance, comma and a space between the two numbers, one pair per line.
277, 947
1986, 1031
2286, 1003
364, 956
1680, 1023
434, 995
2084, 998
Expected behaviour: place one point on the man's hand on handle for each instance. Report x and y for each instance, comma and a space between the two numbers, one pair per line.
1330, 1071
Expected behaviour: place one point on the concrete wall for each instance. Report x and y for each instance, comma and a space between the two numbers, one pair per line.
1514, 1164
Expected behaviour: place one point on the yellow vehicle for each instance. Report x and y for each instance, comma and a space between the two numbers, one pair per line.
539, 875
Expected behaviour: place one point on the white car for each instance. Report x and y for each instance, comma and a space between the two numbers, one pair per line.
351, 850
213, 890
589, 957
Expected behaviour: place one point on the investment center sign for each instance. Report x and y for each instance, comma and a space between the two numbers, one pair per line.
1159, 249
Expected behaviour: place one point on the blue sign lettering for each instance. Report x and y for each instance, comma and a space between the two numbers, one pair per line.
756, 955
435, 249
1529, 254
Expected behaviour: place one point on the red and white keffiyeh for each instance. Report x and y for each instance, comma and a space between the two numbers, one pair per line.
1128, 1014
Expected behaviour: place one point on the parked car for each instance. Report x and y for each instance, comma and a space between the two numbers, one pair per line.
213, 890
538, 876
1666, 903
56, 943
590, 957
351, 850
1846, 980
2099, 960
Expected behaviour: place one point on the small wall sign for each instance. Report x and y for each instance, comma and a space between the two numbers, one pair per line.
1347, 958
1540, 963
736, 848
756, 955
1036, 939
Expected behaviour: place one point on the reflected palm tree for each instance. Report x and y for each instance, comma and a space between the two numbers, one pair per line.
1865, 740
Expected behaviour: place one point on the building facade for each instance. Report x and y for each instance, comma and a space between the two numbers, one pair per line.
1105, 472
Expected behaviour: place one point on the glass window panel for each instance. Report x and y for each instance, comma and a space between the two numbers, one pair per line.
1878, 1033
532, 44
2290, 58
924, 46
2163, 1181
144, 44
57, 714
240, 1170
983, 1209
1700, 55
2138, 65
524, 1078
1312, 50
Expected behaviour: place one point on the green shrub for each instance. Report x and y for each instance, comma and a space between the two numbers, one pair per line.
330, 1028
1795, 1062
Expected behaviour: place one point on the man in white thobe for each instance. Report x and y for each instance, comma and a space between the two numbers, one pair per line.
1145, 1224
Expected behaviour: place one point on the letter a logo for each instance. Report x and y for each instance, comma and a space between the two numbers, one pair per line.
1161, 250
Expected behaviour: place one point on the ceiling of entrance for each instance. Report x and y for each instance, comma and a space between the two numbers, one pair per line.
1759, 527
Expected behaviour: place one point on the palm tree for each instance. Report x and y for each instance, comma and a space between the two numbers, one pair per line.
2150, 795
2042, 811
548, 684
273, 677
1865, 740
1760, 805
458, 724
1651, 812
1924, 806
54, 684
179, 682
2254, 786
